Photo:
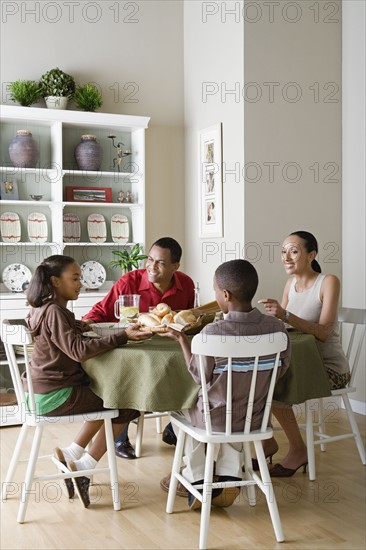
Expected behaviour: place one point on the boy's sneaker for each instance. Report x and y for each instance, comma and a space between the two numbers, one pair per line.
169, 436
165, 484
195, 504
228, 495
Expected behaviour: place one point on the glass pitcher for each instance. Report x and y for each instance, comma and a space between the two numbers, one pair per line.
126, 308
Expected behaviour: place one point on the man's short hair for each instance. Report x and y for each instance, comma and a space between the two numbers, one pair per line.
172, 245
238, 277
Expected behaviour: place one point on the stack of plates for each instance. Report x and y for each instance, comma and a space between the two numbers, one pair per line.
72, 230
119, 229
97, 229
10, 227
37, 227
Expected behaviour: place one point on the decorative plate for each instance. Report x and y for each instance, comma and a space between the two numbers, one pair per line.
72, 228
10, 227
119, 228
37, 227
97, 229
15, 276
93, 274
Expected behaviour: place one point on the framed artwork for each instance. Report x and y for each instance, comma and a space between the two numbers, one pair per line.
9, 190
210, 181
89, 194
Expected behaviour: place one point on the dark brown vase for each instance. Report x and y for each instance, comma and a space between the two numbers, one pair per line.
89, 154
24, 150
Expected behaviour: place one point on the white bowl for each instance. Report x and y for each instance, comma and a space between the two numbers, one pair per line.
106, 329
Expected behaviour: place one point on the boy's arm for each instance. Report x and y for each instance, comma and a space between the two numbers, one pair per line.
186, 347
183, 341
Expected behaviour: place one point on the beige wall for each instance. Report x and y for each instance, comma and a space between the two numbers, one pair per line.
291, 133
213, 56
354, 168
138, 47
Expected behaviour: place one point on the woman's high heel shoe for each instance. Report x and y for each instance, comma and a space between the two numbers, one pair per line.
255, 464
280, 471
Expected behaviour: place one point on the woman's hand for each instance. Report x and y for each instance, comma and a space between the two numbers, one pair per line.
272, 307
134, 333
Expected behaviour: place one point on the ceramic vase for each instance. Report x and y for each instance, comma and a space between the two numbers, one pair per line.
24, 150
89, 154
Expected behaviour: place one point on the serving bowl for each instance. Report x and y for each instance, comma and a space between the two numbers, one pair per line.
106, 329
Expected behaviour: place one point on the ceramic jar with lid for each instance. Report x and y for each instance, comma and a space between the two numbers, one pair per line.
24, 150
89, 153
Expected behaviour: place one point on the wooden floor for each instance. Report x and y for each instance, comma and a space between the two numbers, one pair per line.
326, 514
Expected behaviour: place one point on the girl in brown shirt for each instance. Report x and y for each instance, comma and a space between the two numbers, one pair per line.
61, 386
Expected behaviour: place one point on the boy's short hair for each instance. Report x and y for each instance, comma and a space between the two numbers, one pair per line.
238, 277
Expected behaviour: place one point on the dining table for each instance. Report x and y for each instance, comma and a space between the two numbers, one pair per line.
151, 375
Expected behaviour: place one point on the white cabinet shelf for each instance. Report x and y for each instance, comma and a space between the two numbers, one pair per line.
58, 133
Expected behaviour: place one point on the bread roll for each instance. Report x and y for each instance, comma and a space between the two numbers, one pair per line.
169, 318
161, 310
185, 317
147, 320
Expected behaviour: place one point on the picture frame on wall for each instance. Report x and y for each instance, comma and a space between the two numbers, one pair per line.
89, 194
9, 190
210, 181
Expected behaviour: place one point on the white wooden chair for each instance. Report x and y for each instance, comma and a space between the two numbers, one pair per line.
356, 318
140, 427
230, 347
15, 333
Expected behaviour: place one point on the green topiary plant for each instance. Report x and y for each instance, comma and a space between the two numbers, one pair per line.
25, 92
128, 259
57, 83
88, 98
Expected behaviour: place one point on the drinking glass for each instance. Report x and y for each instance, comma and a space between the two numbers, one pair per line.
126, 308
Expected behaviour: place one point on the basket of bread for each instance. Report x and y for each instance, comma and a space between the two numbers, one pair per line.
189, 321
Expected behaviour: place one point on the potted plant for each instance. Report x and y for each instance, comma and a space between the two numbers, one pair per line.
25, 92
128, 259
57, 88
88, 98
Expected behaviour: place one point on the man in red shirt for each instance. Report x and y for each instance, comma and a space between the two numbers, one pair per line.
160, 281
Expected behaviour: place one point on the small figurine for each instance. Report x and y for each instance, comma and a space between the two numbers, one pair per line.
129, 197
120, 153
121, 196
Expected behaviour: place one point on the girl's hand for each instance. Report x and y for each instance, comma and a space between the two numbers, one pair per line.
84, 326
134, 333
272, 307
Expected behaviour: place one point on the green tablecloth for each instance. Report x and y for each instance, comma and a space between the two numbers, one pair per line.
306, 378
152, 375
147, 376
